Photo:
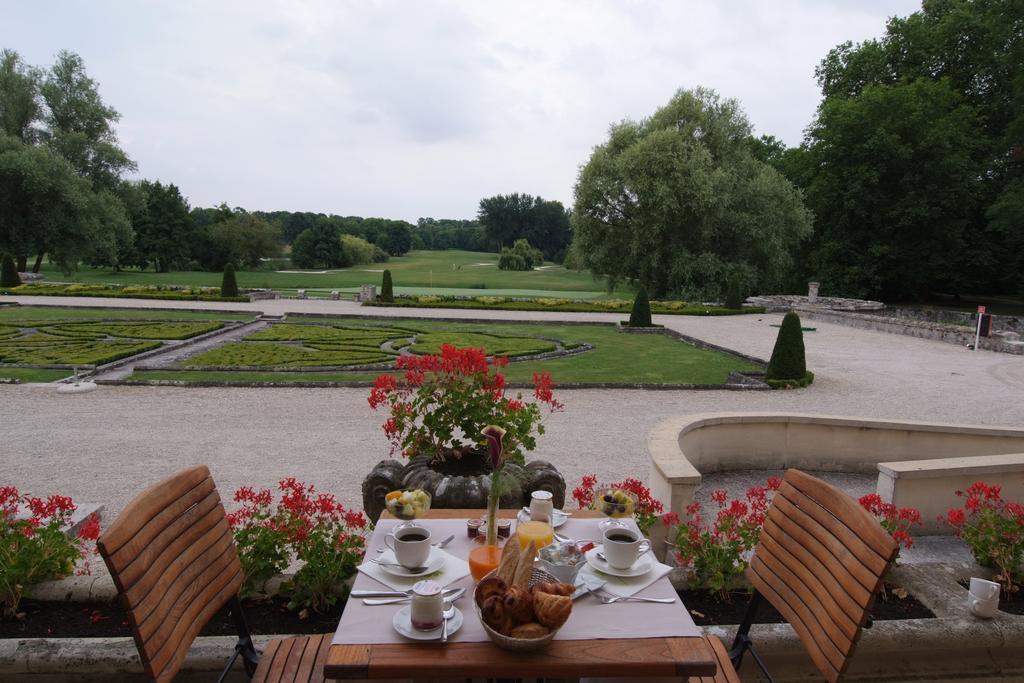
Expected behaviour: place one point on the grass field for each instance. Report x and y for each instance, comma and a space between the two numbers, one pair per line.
617, 358
33, 374
418, 269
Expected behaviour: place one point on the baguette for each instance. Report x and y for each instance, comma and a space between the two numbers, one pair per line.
524, 571
509, 560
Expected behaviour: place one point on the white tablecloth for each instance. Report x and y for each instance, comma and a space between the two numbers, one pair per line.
361, 624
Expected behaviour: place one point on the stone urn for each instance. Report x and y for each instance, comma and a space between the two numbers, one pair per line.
462, 483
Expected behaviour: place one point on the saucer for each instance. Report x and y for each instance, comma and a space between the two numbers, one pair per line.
435, 561
558, 518
643, 564
403, 625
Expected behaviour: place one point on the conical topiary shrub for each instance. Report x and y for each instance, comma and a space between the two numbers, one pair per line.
8, 273
734, 293
788, 361
387, 291
641, 314
228, 284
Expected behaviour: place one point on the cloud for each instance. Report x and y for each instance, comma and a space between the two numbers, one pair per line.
409, 109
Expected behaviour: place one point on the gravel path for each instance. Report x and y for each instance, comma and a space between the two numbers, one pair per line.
105, 446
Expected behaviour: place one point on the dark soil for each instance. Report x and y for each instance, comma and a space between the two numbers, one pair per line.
104, 619
1012, 604
708, 609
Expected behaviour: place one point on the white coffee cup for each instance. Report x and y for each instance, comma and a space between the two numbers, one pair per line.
622, 547
984, 590
982, 607
411, 545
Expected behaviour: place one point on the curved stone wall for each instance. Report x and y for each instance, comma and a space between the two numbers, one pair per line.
682, 448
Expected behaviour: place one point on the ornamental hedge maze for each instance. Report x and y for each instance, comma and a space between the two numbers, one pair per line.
28, 343
347, 344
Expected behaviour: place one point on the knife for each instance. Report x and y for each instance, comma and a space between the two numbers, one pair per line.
449, 595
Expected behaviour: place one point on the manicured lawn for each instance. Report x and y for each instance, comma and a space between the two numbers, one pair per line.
454, 269
617, 358
33, 374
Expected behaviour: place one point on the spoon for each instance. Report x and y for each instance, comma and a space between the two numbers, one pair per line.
445, 616
411, 570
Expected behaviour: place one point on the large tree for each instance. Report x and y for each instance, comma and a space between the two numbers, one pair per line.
45, 207
956, 69
60, 114
679, 203
242, 239
895, 190
164, 232
544, 224
20, 105
79, 125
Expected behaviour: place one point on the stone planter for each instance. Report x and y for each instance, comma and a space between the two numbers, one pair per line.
465, 485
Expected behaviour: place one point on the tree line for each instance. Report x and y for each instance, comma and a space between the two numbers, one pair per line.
909, 181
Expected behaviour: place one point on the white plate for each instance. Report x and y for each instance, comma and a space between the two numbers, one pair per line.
435, 561
643, 564
403, 625
560, 518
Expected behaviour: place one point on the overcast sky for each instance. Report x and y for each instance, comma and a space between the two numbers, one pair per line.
416, 108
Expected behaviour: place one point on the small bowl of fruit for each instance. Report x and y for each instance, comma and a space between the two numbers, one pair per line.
616, 504
407, 505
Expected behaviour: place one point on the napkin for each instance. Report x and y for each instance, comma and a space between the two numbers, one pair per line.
453, 569
623, 586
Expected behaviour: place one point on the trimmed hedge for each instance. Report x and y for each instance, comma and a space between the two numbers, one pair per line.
113, 292
8, 272
387, 290
228, 283
788, 361
641, 314
566, 307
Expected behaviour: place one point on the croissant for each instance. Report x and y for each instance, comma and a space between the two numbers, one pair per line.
551, 610
492, 585
495, 615
519, 604
530, 631
554, 588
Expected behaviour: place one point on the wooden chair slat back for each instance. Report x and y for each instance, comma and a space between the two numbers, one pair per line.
820, 562
172, 556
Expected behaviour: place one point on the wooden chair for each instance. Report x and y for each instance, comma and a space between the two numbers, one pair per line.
820, 561
173, 559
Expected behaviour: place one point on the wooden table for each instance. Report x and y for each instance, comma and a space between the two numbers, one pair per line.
626, 658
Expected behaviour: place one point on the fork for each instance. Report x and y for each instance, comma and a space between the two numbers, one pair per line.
608, 598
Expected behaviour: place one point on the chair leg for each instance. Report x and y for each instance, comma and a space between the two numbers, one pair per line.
742, 643
244, 646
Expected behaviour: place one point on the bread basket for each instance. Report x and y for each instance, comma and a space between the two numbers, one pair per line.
518, 644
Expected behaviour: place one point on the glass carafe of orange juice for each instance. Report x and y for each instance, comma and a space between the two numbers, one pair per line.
540, 533
483, 559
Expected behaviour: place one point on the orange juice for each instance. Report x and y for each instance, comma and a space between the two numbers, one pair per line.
540, 533
483, 559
